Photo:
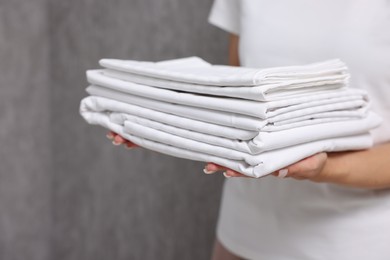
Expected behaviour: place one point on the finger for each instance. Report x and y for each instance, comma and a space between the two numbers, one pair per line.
303, 169
130, 145
282, 173
110, 135
212, 167
230, 173
308, 166
118, 140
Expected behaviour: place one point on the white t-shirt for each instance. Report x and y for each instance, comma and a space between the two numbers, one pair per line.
277, 219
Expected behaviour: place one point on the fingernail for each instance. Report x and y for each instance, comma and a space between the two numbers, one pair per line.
109, 136
283, 173
115, 143
226, 175
128, 147
207, 171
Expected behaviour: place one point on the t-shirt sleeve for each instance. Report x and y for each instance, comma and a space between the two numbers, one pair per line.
225, 14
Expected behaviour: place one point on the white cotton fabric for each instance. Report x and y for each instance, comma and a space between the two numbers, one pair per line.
350, 98
257, 93
93, 104
219, 75
301, 220
265, 141
258, 166
204, 115
264, 163
318, 114
216, 135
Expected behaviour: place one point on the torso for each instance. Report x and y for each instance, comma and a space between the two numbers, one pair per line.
288, 219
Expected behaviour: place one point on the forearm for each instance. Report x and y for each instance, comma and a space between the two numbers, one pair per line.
362, 169
234, 59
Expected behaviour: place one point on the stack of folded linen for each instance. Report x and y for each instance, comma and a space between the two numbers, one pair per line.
254, 121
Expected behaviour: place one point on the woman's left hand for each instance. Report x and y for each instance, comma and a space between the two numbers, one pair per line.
310, 168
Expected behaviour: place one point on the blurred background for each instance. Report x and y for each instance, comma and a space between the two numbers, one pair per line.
65, 191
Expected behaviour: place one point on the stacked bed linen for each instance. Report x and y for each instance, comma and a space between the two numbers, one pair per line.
254, 121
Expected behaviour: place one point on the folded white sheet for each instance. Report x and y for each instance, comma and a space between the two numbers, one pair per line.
264, 141
185, 108
239, 106
196, 70
184, 143
181, 142
231, 143
221, 135
262, 164
258, 93
93, 104
341, 114
233, 119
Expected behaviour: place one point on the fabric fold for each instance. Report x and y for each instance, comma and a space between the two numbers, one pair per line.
261, 110
220, 75
94, 104
266, 164
227, 118
212, 134
253, 121
269, 92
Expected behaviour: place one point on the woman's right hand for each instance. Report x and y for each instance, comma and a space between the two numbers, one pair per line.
118, 140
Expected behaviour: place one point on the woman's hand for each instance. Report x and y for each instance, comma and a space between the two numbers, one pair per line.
368, 169
310, 168
118, 140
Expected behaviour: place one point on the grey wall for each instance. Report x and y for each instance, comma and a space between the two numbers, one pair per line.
66, 192
24, 131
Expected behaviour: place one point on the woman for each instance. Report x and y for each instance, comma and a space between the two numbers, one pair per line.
329, 206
